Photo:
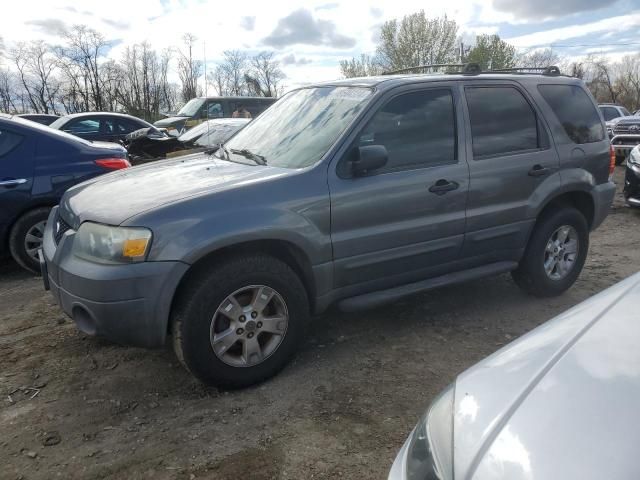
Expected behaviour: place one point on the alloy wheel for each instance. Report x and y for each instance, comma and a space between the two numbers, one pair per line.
249, 326
561, 252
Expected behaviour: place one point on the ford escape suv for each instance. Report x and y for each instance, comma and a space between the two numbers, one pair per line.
355, 192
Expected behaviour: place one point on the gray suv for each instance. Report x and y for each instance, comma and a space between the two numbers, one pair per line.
356, 193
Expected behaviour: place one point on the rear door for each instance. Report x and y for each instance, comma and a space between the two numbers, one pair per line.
16, 174
406, 220
511, 158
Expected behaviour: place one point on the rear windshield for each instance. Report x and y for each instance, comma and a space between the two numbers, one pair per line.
575, 111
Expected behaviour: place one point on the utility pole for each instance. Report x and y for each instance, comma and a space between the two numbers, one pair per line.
204, 54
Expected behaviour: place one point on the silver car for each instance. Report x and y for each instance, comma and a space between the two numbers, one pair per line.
561, 402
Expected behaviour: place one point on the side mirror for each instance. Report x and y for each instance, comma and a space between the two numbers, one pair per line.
368, 158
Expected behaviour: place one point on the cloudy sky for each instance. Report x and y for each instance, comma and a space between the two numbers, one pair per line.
310, 37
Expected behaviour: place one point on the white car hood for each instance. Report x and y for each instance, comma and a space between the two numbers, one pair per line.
562, 402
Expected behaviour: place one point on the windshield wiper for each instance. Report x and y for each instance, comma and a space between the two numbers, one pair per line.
259, 159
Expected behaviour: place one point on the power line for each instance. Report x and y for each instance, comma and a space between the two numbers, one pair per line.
557, 45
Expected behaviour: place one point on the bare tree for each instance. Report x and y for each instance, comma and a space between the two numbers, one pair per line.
36, 66
539, 59
264, 75
189, 69
627, 83
80, 59
8, 91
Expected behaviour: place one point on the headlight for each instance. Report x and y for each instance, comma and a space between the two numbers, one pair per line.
106, 244
634, 156
430, 451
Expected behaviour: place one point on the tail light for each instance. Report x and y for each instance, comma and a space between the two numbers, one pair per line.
612, 160
113, 163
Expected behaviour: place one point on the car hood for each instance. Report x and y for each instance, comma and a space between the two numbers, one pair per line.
629, 120
115, 197
168, 122
561, 402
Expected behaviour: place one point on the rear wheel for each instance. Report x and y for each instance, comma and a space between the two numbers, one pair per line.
555, 254
620, 159
240, 322
26, 238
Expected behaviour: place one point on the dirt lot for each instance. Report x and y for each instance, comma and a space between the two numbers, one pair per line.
72, 406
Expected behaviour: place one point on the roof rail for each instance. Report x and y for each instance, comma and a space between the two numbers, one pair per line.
475, 69
424, 67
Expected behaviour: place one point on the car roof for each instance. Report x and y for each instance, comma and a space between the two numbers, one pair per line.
101, 114
238, 98
384, 82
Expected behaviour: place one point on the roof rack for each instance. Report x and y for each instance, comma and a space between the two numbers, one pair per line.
474, 69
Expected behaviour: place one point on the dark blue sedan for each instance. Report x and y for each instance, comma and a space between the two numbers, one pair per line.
37, 165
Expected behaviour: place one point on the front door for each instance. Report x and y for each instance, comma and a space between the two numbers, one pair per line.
405, 221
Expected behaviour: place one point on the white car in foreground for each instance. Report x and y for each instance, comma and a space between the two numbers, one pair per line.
562, 402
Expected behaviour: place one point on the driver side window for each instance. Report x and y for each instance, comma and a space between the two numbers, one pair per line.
417, 129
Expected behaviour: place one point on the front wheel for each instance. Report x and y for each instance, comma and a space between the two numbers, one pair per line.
240, 322
26, 238
555, 254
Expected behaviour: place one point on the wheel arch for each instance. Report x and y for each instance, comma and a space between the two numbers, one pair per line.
579, 199
284, 250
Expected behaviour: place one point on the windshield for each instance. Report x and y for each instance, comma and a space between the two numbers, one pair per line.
191, 108
299, 128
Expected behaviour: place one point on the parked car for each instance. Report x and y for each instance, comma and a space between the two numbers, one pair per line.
611, 111
100, 126
625, 135
559, 402
37, 164
632, 178
197, 110
42, 118
356, 192
151, 143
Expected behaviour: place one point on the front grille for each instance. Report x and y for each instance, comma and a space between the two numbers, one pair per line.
59, 228
633, 128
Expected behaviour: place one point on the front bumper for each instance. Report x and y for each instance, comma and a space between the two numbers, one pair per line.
632, 185
624, 143
127, 304
602, 199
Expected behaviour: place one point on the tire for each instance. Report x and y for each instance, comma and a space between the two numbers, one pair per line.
32, 224
198, 319
531, 275
620, 159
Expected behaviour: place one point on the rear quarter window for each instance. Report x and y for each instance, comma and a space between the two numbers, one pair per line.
575, 111
8, 141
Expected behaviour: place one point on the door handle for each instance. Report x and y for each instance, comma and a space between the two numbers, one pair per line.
443, 186
13, 182
538, 171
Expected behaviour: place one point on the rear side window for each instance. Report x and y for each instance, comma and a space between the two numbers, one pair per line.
8, 141
502, 121
575, 111
417, 129
127, 126
609, 113
87, 126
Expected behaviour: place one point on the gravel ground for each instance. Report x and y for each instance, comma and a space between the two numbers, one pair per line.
73, 406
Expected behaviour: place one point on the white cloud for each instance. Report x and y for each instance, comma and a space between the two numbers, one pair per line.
545, 37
